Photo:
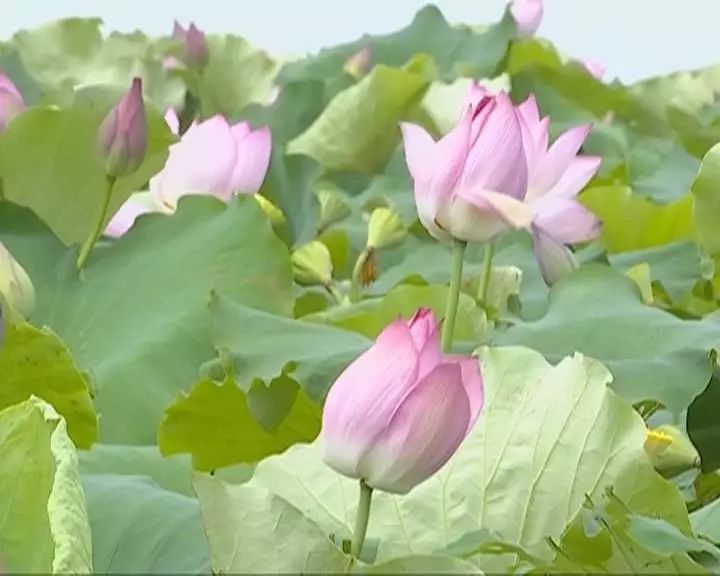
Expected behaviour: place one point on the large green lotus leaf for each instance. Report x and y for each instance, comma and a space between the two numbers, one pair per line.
11, 65
252, 530
139, 318
139, 528
369, 317
289, 185
652, 354
64, 183
72, 52
610, 537
221, 424
703, 425
43, 520
262, 344
455, 49
706, 196
36, 363
676, 266
706, 521
422, 564
236, 75
359, 128
523, 472
632, 223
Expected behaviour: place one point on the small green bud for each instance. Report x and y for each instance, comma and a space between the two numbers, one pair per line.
385, 229
277, 218
312, 264
670, 451
333, 208
15, 285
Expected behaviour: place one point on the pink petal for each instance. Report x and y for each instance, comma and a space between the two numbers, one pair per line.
435, 167
8, 85
558, 158
424, 330
201, 163
426, 430
595, 68
567, 220
575, 177
476, 93
364, 397
528, 15
554, 259
473, 383
529, 111
253, 158
172, 120
11, 106
480, 216
496, 160
124, 218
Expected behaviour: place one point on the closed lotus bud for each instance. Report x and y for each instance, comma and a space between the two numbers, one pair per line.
277, 218
359, 63
15, 285
385, 229
670, 451
195, 51
398, 413
11, 101
122, 137
333, 208
312, 264
528, 15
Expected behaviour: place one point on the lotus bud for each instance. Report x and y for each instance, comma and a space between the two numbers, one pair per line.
670, 451
333, 208
122, 137
398, 413
359, 63
312, 264
194, 45
11, 101
528, 15
16, 287
277, 218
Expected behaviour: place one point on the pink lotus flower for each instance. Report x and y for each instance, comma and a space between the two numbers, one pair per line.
470, 184
11, 101
528, 15
359, 63
398, 413
122, 136
556, 176
213, 158
194, 44
595, 68
125, 217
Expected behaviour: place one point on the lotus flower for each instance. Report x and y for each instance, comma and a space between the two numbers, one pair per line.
595, 68
15, 285
359, 63
214, 158
398, 413
122, 136
556, 176
470, 184
125, 217
11, 101
527, 15
194, 44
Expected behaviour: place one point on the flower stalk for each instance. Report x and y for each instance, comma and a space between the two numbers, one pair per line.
453, 296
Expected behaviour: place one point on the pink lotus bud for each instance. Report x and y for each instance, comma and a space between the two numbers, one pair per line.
556, 175
595, 68
214, 158
398, 413
194, 44
527, 14
470, 184
122, 137
359, 63
11, 101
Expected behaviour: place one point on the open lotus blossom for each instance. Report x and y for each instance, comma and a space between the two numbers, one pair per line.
213, 158
11, 101
470, 184
398, 413
528, 15
556, 176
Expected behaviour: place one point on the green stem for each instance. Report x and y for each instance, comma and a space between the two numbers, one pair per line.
90, 241
361, 521
356, 274
332, 289
453, 296
486, 273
